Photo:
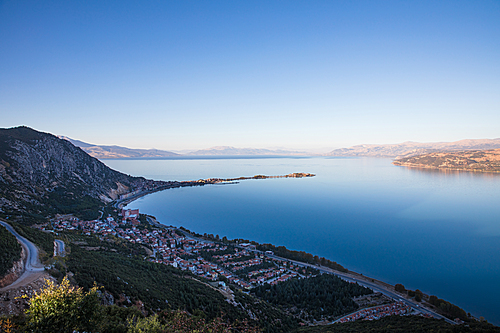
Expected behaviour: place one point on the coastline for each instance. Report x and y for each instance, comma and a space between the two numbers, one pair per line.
350, 276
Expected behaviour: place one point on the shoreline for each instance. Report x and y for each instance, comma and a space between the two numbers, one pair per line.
377, 285
349, 276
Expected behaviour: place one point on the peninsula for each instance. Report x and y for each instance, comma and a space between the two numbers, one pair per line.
151, 186
469, 160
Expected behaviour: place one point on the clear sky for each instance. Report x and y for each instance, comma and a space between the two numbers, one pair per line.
293, 74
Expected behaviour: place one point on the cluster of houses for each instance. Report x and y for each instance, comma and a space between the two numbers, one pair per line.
171, 248
393, 309
280, 271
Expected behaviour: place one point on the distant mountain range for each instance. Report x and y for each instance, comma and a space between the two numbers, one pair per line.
226, 150
103, 152
408, 149
397, 151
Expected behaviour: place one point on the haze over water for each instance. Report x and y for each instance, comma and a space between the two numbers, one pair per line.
435, 231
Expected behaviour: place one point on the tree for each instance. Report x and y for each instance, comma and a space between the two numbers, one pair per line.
323, 261
63, 308
400, 288
418, 295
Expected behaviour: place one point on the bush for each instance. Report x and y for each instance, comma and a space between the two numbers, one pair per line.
63, 308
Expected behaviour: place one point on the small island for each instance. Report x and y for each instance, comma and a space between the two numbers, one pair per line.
468, 160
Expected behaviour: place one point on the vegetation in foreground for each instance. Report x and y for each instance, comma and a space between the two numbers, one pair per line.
64, 308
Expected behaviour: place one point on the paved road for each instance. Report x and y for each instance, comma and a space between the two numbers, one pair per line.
59, 248
32, 266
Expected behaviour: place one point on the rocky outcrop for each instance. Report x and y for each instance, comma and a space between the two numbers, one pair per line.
41, 172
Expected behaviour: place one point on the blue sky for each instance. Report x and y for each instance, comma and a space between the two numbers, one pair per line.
293, 74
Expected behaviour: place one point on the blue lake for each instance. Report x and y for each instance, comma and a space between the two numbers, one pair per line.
430, 230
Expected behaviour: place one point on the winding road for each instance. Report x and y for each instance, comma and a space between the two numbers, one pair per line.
33, 269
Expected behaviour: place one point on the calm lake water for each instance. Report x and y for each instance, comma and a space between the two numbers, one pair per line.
432, 230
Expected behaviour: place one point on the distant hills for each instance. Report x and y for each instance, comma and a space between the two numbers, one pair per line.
103, 152
408, 149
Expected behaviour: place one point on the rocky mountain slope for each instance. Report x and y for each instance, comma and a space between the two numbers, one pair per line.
41, 174
471, 160
408, 149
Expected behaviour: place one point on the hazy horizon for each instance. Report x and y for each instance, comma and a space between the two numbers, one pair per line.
317, 151
310, 76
